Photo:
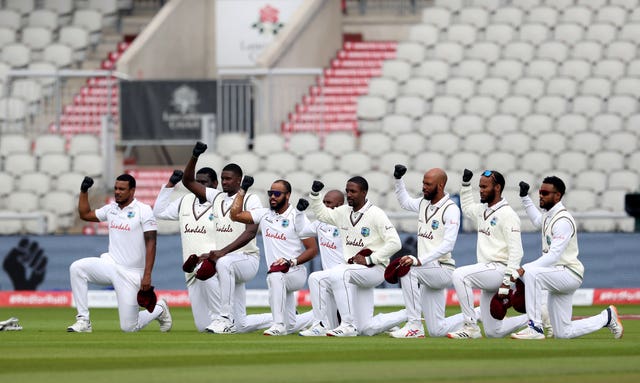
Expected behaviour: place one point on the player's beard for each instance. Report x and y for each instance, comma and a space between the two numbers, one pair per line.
278, 205
490, 196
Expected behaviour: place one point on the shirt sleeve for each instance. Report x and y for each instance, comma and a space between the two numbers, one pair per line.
211, 194
164, 208
301, 222
390, 238
103, 212
532, 212
258, 214
451, 228
252, 202
512, 234
310, 230
322, 212
470, 208
561, 233
404, 199
148, 219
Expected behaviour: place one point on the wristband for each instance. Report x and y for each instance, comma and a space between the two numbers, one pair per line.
368, 260
506, 279
466, 183
315, 194
503, 291
293, 262
414, 260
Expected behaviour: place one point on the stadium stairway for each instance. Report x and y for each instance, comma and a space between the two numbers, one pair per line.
330, 104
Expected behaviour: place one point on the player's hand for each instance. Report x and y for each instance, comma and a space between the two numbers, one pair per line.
524, 188
466, 175
87, 182
302, 205
399, 171
27, 255
247, 181
199, 149
176, 177
316, 186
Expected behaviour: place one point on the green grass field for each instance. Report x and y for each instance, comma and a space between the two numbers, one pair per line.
44, 352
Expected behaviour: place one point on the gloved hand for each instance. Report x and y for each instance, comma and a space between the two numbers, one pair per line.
26, 265
87, 182
317, 186
302, 205
524, 188
466, 176
247, 181
399, 171
199, 149
176, 176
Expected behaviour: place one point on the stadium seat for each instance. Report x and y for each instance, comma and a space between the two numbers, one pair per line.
481, 143
475, 70
508, 15
70, 182
593, 180
587, 142
525, 5
317, 162
43, 18
576, 69
580, 200
396, 124
560, 5
374, 144
91, 20
550, 142
17, 55
7, 36
447, 106
420, 87
30, 91
383, 87
11, 226
611, 69
433, 123
63, 205
634, 15
629, 86
556, 51
211, 160
23, 201
537, 124
627, 180
630, 32
449, 52
428, 159
78, 39
301, 143
410, 143
60, 55
14, 143
19, 163
589, 51
529, 87
613, 200
230, 143
436, 70
411, 106
633, 68
517, 105
485, 51
387, 161
425, 34
543, 15
572, 162
464, 160
466, 124
508, 69
354, 163
622, 142
495, 87
35, 182
379, 180
596, 86
11, 19
622, 105
107, 8
23, 7
544, 69
608, 160
440, 17
476, 15
612, 15
593, 4
460, 87
516, 143
568, 33
339, 143
606, 124
570, 124
267, 143
463, 34
445, 143
536, 161
88, 164
500, 124
411, 52
515, 176
578, 15
588, 106
504, 161
302, 180
49, 143
13, 114
62, 8
604, 33
481, 105
371, 108
54, 164
282, 162
562, 86
399, 70
518, 50
36, 38
263, 181
624, 51
248, 161
7, 182
534, 34
553, 106
499, 33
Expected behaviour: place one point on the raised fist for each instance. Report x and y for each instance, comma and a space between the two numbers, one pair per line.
399, 171
176, 176
247, 181
316, 186
524, 188
199, 149
26, 265
302, 205
466, 175
87, 182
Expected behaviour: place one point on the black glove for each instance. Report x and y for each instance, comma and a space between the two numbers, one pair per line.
247, 181
399, 171
87, 182
317, 186
466, 176
26, 256
524, 188
176, 176
302, 205
199, 149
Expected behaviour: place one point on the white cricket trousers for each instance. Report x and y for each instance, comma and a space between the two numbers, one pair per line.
125, 282
205, 301
322, 302
233, 271
424, 288
488, 278
352, 287
561, 284
283, 301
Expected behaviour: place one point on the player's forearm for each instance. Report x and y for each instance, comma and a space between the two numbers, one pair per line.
404, 199
244, 238
322, 213
532, 211
467, 203
311, 249
150, 241
162, 203
391, 246
445, 247
84, 209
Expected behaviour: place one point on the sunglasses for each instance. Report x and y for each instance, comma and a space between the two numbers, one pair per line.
487, 173
545, 193
274, 193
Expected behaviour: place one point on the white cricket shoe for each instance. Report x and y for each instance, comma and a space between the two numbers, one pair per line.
165, 317
529, 332
410, 330
275, 330
222, 325
468, 331
614, 325
343, 330
82, 325
10, 324
316, 330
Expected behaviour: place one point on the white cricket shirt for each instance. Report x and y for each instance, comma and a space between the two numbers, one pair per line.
227, 230
329, 242
280, 232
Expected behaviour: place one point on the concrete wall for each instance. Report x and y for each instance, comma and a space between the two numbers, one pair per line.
178, 43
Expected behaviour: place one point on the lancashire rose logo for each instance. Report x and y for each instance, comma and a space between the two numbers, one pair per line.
268, 21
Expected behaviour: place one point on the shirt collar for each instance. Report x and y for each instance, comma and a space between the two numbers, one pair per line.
441, 202
497, 206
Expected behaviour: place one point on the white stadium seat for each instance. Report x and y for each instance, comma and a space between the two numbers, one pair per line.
562, 86
604, 33
485, 51
70, 182
587, 142
630, 32
410, 143
281, 163
472, 69
267, 143
35, 182
588, 106
553, 106
445, 143
542, 68
55, 164
338, 143
466, 124
388, 160
440, 17
578, 15
355, 163
543, 15
88, 164
476, 16
589, 51
518, 50
627, 86
608, 161
317, 162
433, 123
425, 34
383, 87
481, 143
529, 87
622, 142
463, 34
516, 143
449, 52
534, 33
517, 105
570, 124
499, 33
419, 86
495, 87
436, 70
508, 69
464, 160
551, 142
624, 179
624, 51
508, 14
569, 33
19, 163
396, 124
23, 201
596, 86
301, 143
504, 161
481, 105
411, 106
576, 69
611, 69
411, 52
623, 105
593, 180
536, 161
612, 15
580, 200
374, 144
537, 124
572, 161
607, 123
446, 105
500, 124
398, 70
250, 162
371, 108
429, 159
525, 4
63, 205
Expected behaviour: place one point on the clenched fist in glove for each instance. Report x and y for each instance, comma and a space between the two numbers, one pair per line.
87, 182
316, 186
176, 177
302, 205
399, 171
524, 188
199, 149
466, 175
247, 181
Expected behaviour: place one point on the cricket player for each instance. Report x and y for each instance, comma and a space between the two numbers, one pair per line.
430, 273
557, 271
197, 229
128, 264
234, 251
363, 228
285, 250
499, 252
322, 302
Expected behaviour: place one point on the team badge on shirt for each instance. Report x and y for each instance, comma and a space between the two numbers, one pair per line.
548, 238
494, 221
365, 231
131, 214
285, 223
336, 233
211, 217
435, 224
